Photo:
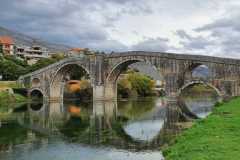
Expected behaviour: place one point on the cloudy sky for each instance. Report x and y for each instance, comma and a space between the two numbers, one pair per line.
210, 27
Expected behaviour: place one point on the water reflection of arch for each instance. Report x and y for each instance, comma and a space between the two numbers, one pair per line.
36, 107
44, 120
109, 130
93, 127
183, 105
169, 119
199, 82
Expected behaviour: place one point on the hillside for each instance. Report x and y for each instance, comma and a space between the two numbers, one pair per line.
22, 39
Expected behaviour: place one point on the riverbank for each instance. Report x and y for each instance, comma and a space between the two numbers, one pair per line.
7, 98
6, 93
215, 138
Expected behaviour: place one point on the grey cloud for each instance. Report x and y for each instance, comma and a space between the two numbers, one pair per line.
182, 34
152, 44
226, 31
73, 22
192, 43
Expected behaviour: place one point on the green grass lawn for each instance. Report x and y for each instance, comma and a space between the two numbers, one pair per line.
215, 138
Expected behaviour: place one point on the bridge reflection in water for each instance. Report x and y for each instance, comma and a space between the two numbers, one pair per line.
99, 130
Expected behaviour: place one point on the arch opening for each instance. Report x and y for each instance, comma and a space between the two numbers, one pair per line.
198, 71
36, 95
201, 72
134, 78
71, 82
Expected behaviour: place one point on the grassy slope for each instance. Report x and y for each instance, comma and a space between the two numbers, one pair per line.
6, 98
215, 138
8, 84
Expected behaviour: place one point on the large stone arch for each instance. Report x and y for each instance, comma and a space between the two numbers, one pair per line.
190, 67
119, 67
115, 71
59, 78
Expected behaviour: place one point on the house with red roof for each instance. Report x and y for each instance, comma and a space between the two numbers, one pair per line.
7, 45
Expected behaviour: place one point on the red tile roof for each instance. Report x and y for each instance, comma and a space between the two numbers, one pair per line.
6, 40
78, 49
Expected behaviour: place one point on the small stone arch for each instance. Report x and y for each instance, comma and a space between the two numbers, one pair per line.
37, 93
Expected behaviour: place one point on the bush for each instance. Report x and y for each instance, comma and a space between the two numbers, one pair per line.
135, 83
124, 88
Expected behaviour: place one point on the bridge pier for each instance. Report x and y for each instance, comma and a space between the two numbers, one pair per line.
111, 91
98, 92
105, 92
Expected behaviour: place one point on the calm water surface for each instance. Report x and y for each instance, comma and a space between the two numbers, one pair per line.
134, 130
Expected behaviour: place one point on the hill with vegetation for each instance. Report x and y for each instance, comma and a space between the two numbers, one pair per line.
11, 67
22, 39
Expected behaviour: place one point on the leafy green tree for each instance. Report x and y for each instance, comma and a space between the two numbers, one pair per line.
41, 63
141, 83
58, 56
124, 88
17, 61
135, 82
10, 70
1, 49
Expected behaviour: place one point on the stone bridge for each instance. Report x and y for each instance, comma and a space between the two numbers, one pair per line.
104, 70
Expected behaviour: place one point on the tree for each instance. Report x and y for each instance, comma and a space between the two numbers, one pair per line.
141, 83
135, 82
1, 49
10, 70
124, 88
41, 63
16, 60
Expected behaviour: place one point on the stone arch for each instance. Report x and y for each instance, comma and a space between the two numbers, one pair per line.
60, 76
35, 82
36, 92
199, 82
116, 70
119, 67
189, 71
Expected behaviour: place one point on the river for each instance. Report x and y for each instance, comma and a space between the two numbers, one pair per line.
123, 130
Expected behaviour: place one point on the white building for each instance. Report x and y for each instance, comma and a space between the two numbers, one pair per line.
32, 54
